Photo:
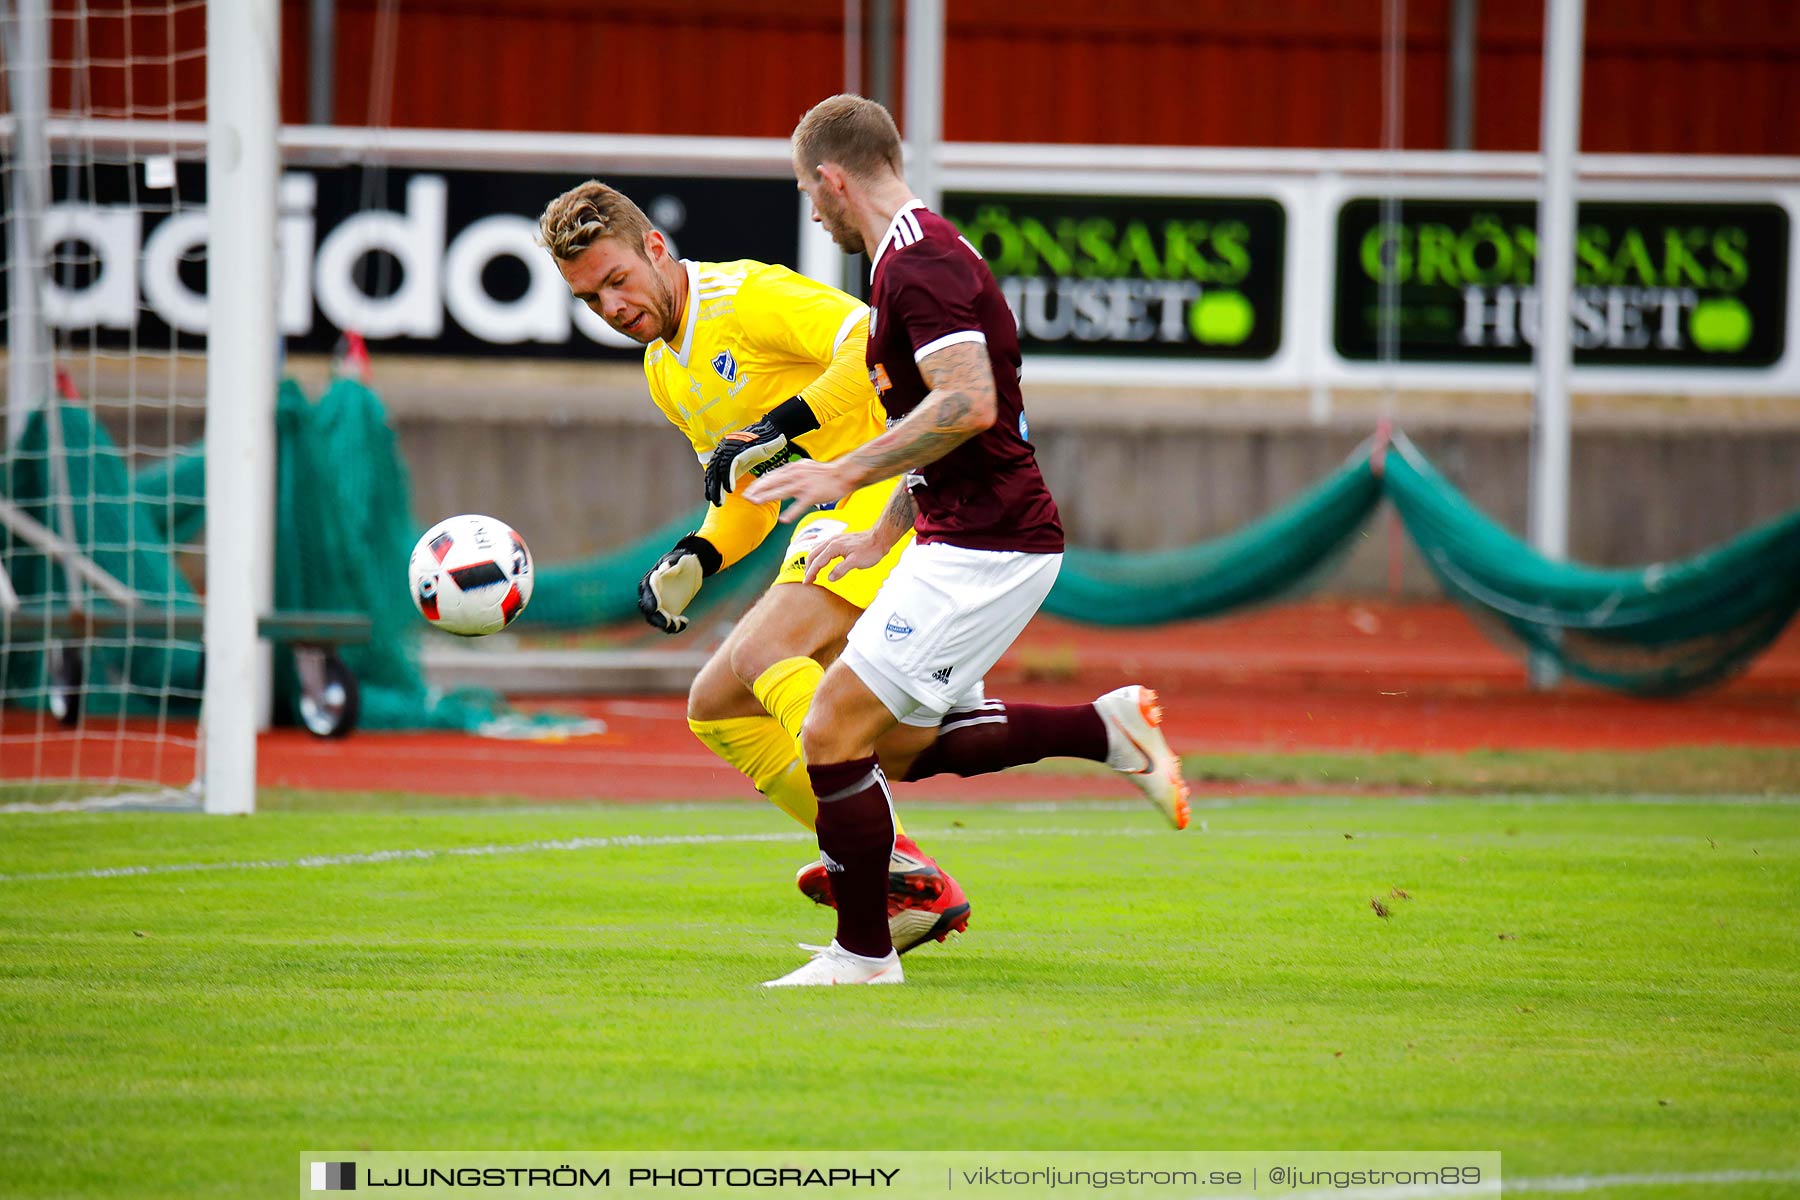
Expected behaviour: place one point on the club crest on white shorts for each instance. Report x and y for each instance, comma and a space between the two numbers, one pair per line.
951, 612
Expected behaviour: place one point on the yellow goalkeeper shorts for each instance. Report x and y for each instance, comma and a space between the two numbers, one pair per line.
859, 510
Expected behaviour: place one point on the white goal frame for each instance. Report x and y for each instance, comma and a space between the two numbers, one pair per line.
243, 163
243, 71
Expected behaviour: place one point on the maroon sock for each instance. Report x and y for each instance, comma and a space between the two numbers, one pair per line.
856, 835
997, 735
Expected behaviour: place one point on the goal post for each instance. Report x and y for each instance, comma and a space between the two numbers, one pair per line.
141, 380
25, 27
243, 72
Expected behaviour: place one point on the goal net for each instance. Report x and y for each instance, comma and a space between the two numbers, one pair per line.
104, 271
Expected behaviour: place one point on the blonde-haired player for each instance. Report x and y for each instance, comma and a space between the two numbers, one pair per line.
756, 365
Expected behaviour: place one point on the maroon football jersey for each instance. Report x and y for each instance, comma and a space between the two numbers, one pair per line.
931, 290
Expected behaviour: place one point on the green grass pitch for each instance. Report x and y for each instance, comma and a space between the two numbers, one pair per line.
1593, 986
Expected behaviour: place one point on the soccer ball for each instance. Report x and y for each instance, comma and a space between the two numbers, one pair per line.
471, 575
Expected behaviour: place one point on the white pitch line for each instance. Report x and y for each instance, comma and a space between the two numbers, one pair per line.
166, 800
384, 856
558, 845
500, 751
639, 841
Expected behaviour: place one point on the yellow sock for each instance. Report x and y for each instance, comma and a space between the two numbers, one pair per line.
763, 751
786, 690
791, 792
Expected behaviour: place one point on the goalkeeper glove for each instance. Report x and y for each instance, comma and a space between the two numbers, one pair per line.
757, 449
670, 586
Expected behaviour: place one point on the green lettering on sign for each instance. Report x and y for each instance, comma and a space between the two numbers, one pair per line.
1231, 242
1679, 264
1698, 284
1728, 248
1150, 277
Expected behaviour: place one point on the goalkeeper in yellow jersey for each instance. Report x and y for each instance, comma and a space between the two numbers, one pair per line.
756, 365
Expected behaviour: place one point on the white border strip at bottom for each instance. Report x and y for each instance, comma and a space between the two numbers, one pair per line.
1593, 1183
1548, 1184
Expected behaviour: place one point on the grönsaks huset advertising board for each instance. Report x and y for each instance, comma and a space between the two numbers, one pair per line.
1134, 276
1690, 285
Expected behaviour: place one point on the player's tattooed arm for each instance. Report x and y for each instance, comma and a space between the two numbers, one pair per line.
897, 518
960, 405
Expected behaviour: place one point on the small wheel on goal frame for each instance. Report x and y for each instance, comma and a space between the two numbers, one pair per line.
62, 686
329, 701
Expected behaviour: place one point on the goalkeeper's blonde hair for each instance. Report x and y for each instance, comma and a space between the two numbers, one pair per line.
588, 213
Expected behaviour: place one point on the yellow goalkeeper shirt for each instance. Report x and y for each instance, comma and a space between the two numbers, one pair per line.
753, 336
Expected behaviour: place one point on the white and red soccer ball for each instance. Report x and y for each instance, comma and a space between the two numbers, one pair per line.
471, 575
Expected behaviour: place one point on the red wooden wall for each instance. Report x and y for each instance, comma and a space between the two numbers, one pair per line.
1661, 76
126, 59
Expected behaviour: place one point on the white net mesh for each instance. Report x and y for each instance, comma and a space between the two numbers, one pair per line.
104, 276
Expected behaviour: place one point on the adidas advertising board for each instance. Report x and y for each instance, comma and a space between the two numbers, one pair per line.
440, 262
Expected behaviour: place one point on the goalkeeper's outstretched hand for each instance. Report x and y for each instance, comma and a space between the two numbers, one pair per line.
750, 451
757, 449
671, 585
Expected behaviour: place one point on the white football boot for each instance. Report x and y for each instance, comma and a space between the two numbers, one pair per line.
1136, 748
832, 965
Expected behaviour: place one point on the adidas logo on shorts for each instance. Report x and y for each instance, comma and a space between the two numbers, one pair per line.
942, 675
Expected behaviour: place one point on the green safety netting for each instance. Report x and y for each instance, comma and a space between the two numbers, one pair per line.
142, 667
1654, 630
345, 529
344, 534
1265, 559
1260, 562
173, 492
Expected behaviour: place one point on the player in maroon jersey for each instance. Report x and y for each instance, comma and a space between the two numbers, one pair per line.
943, 354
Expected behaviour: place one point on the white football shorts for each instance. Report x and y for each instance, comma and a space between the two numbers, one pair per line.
942, 619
